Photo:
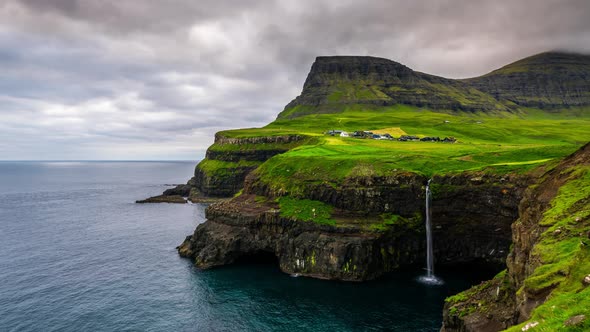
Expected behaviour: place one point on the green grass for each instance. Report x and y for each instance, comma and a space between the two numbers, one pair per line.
389, 220
218, 168
349, 92
502, 142
498, 143
306, 210
307, 140
526, 127
564, 260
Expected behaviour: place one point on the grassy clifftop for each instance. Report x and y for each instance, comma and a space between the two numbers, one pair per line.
502, 142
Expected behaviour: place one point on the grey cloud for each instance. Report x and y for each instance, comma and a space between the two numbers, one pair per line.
141, 16
87, 79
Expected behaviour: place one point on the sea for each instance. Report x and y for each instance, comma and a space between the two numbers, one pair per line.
78, 254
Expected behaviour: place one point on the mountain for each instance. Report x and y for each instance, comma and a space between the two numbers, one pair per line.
547, 80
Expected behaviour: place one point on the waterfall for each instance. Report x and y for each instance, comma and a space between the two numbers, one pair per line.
429, 278
429, 254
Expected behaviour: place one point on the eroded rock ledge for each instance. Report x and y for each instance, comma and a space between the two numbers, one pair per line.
472, 213
243, 227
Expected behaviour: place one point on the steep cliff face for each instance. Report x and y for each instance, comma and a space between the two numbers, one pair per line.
377, 226
230, 159
546, 80
473, 212
545, 280
244, 227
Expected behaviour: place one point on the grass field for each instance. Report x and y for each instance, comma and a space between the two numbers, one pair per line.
500, 142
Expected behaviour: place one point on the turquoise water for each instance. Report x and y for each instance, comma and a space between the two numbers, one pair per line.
77, 254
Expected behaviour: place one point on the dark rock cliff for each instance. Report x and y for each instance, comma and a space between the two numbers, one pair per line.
476, 229
243, 227
238, 157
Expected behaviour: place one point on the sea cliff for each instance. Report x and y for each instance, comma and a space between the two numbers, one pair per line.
376, 227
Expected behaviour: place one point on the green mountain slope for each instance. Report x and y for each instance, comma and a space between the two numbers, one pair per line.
342, 80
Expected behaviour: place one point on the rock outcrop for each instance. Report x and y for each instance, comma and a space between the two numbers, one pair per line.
242, 227
164, 199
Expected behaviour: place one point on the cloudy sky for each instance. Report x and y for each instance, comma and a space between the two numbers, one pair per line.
147, 79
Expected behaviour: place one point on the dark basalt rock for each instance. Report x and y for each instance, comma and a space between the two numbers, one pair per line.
164, 199
221, 186
183, 190
477, 228
243, 227
399, 194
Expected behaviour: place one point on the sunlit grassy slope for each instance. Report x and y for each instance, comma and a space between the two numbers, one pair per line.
498, 142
